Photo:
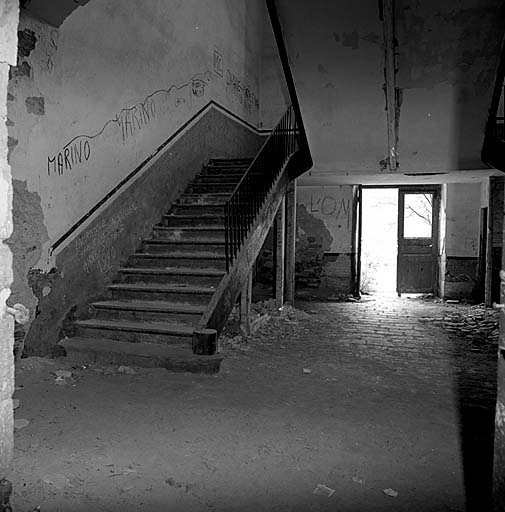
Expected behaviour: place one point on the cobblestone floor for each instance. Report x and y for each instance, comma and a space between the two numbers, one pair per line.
360, 397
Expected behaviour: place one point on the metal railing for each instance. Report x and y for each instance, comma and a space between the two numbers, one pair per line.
247, 198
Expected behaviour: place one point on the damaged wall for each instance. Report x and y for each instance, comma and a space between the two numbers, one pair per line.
462, 232
448, 54
324, 248
90, 101
9, 13
335, 51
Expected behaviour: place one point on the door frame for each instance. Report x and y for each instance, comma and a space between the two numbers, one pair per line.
436, 189
435, 233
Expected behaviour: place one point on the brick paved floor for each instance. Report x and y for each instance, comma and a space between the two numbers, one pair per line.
360, 397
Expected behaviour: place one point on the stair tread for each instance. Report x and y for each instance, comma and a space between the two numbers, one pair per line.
163, 287
211, 227
167, 241
181, 254
128, 325
151, 305
190, 271
181, 216
141, 349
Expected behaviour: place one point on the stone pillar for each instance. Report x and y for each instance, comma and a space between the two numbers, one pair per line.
279, 227
9, 18
289, 292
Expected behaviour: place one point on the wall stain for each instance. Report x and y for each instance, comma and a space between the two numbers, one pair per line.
11, 144
322, 69
35, 105
23, 69
351, 39
28, 236
26, 42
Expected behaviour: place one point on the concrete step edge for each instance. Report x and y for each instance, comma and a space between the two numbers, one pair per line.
168, 328
141, 287
150, 306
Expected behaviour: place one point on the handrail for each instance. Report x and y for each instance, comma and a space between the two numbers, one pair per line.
248, 197
306, 163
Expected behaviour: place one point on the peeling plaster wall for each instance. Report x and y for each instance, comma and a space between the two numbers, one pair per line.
9, 14
91, 100
462, 231
448, 55
335, 51
324, 238
324, 258
88, 102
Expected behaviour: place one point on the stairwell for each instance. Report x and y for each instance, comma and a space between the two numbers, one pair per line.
159, 297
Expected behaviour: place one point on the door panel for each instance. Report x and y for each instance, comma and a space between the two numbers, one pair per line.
417, 240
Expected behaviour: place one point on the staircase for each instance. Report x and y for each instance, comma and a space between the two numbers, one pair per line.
159, 298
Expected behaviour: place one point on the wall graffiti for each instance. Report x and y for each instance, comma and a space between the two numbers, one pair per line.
70, 156
331, 207
130, 121
97, 242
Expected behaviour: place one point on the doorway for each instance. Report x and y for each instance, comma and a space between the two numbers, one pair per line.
399, 239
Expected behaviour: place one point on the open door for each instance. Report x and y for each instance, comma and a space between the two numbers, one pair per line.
417, 240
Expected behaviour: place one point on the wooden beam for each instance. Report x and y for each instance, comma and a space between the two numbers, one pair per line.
245, 306
289, 286
280, 237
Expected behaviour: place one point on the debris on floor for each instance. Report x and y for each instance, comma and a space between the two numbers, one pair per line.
323, 490
476, 324
390, 492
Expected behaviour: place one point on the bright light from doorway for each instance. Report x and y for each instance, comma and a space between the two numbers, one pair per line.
379, 240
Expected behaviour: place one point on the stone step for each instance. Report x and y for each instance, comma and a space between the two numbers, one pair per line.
135, 331
106, 351
179, 275
196, 188
180, 220
179, 259
203, 199
197, 209
189, 294
188, 232
223, 177
156, 311
160, 245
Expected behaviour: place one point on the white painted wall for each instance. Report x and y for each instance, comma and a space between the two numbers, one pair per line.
117, 79
462, 213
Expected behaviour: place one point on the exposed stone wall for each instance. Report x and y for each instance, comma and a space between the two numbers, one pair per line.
324, 258
8, 50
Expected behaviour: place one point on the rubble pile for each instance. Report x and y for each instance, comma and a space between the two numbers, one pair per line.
476, 324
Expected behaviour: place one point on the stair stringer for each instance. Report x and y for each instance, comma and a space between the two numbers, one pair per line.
228, 290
